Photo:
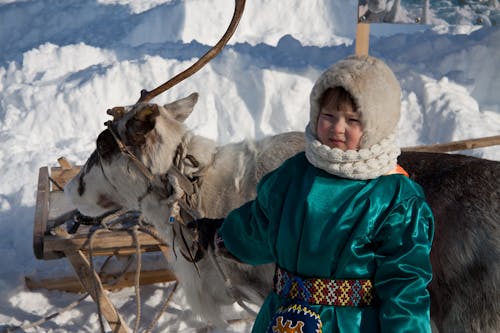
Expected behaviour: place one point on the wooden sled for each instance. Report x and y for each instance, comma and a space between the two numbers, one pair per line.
51, 240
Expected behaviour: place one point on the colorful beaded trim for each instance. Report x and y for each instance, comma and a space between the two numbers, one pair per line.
324, 291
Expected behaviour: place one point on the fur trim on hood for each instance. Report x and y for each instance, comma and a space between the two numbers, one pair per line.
375, 91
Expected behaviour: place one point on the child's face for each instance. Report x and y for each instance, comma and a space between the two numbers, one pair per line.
339, 126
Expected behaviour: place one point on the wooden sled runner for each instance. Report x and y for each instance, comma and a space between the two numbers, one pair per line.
52, 240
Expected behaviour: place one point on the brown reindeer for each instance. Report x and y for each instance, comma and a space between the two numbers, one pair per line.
464, 194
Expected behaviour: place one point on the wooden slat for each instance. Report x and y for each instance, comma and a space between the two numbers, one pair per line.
62, 176
91, 282
41, 212
164, 250
457, 145
64, 163
72, 283
103, 243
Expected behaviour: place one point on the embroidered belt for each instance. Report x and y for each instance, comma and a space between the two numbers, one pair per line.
324, 291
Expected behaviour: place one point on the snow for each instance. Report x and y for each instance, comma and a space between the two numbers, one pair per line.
64, 63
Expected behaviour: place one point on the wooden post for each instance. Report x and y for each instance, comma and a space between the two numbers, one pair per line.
362, 39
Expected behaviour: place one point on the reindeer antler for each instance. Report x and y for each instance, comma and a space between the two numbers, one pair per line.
212, 53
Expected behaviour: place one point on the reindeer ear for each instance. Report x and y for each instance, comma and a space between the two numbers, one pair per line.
182, 108
141, 123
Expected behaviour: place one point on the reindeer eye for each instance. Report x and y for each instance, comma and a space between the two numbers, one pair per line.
101, 147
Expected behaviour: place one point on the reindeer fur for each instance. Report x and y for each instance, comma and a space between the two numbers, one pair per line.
463, 192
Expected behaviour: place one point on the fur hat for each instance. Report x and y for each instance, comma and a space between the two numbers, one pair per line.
375, 91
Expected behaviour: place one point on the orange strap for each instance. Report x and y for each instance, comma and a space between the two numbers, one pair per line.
398, 169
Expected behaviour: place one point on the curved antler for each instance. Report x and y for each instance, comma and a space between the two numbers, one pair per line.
212, 53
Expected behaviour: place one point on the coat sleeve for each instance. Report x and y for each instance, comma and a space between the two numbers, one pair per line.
248, 232
403, 267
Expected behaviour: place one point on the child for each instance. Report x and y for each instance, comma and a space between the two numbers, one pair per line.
350, 236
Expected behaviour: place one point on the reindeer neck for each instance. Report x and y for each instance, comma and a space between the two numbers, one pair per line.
230, 180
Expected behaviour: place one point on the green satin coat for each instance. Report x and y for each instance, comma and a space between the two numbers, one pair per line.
314, 224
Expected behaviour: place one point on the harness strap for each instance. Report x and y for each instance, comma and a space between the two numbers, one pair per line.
184, 182
123, 148
322, 291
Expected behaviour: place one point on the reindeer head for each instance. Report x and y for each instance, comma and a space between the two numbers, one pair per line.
110, 178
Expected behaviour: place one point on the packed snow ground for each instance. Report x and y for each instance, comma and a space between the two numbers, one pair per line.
63, 63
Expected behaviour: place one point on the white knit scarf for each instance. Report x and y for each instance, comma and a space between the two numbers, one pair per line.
369, 163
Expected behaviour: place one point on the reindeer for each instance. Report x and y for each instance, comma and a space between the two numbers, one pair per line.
166, 171
147, 160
